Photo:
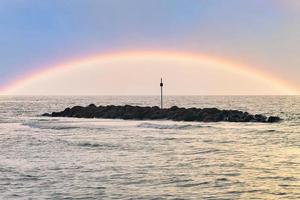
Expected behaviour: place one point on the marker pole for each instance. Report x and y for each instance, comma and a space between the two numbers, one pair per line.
161, 93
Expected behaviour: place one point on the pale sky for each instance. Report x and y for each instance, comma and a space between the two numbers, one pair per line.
261, 35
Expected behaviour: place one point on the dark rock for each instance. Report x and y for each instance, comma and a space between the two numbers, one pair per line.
260, 118
154, 113
273, 119
92, 105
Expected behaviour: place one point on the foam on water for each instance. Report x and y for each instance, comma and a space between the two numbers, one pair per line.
167, 126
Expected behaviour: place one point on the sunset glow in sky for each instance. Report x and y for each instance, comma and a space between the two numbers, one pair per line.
123, 47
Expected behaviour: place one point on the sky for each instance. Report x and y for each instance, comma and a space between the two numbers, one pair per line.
262, 35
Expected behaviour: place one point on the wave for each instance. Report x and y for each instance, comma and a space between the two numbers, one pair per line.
194, 184
101, 145
167, 126
89, 144
49, 126
60, 125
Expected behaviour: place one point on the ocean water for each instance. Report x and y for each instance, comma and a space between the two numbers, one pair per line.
65, 158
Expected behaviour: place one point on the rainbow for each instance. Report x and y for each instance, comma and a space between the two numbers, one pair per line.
131, 55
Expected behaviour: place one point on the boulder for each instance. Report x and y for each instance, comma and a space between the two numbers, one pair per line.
273, 119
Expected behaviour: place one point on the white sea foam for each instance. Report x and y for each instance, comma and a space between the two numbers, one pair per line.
167, 126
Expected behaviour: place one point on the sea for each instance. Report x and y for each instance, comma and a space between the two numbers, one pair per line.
70, 158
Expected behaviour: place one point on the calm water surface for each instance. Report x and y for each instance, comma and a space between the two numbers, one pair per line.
57, 158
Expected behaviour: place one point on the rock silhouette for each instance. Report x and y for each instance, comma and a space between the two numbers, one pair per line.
155, 113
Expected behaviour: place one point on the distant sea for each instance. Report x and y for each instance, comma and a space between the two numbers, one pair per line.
66, 158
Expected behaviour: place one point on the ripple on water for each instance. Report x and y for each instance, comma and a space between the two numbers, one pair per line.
96, 145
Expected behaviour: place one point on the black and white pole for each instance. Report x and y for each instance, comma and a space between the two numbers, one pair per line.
161, 93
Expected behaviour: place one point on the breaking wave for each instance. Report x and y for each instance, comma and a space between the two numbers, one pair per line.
167, 126
49, 126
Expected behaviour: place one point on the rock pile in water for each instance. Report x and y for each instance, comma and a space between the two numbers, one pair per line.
155, 113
